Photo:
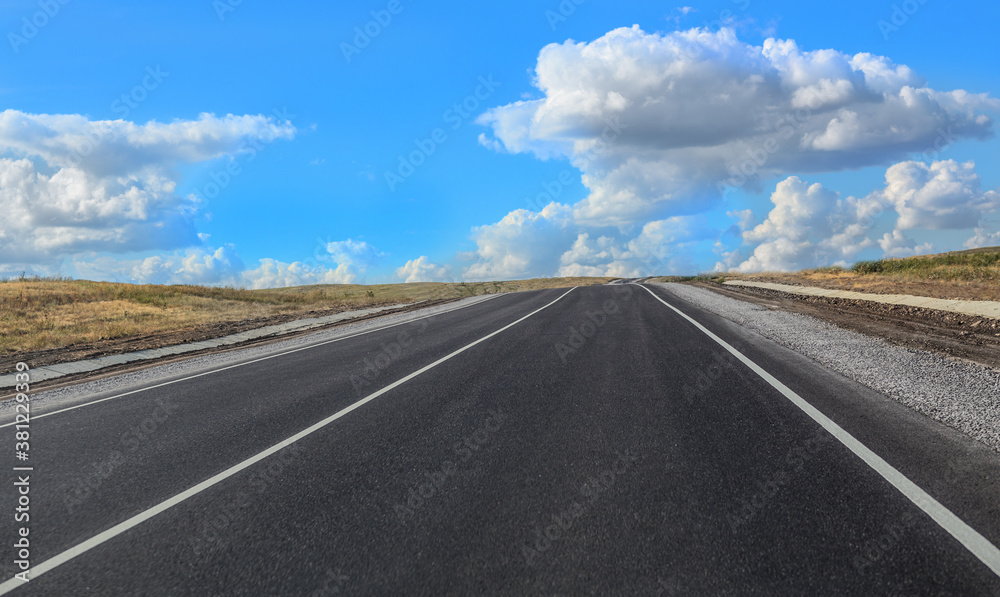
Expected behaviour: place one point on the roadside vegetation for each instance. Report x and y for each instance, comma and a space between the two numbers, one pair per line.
968, 275
707, 278
978, 264
49, 313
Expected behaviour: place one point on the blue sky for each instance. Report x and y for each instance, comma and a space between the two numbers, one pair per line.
255, 144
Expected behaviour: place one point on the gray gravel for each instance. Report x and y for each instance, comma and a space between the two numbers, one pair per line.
960, 394
48, 400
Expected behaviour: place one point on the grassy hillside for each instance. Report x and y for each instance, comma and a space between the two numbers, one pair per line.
41, 314
976, 264
969, 275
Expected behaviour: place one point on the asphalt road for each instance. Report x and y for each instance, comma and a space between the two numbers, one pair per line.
595, 442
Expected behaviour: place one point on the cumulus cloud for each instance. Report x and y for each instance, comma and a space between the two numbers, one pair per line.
217, 266
122, 148
523, 244
808, 226
944, 195
984, 237
552, 242
71, 185
812, 226
423, 269
897, 244
357, 255
276, 274
47, 216
220, 266
659, 124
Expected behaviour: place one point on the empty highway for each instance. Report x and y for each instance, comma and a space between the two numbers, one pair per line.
607, 440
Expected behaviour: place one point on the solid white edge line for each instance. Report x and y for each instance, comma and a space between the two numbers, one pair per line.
273, 356
978, 545
85, 546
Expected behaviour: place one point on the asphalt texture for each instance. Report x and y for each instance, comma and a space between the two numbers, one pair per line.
601, 446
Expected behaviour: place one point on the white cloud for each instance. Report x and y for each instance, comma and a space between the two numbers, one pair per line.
122, 148
276, 274
523, 244
944, 195
356, 254
72, 185
809, 226
984, 237
423, 270
897, 244
657, 123
221, 266
47, 216
551, 242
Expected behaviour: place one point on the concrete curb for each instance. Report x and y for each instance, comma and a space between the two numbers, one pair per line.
63, 369
988, 309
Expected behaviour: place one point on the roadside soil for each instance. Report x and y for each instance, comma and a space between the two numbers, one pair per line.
90, 350
967, 290
970, 338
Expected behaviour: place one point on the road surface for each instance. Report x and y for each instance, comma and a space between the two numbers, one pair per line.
598, 441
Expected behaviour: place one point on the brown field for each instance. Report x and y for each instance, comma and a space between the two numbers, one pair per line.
45, 314
968, 275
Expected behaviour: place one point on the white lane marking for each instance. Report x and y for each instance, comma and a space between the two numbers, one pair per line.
138, 519
955, 526
273, 356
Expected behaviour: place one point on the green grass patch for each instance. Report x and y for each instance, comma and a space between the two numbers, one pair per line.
978, 264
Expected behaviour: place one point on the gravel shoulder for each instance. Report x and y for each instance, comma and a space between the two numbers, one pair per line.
967, 337
961, 394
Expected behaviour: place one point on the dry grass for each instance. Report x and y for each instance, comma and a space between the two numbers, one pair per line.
968, 275
41, 314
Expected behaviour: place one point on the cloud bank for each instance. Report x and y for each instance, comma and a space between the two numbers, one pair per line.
662, 125
70, 185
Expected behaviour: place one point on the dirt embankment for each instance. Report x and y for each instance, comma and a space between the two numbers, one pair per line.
967, 337
90, 350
